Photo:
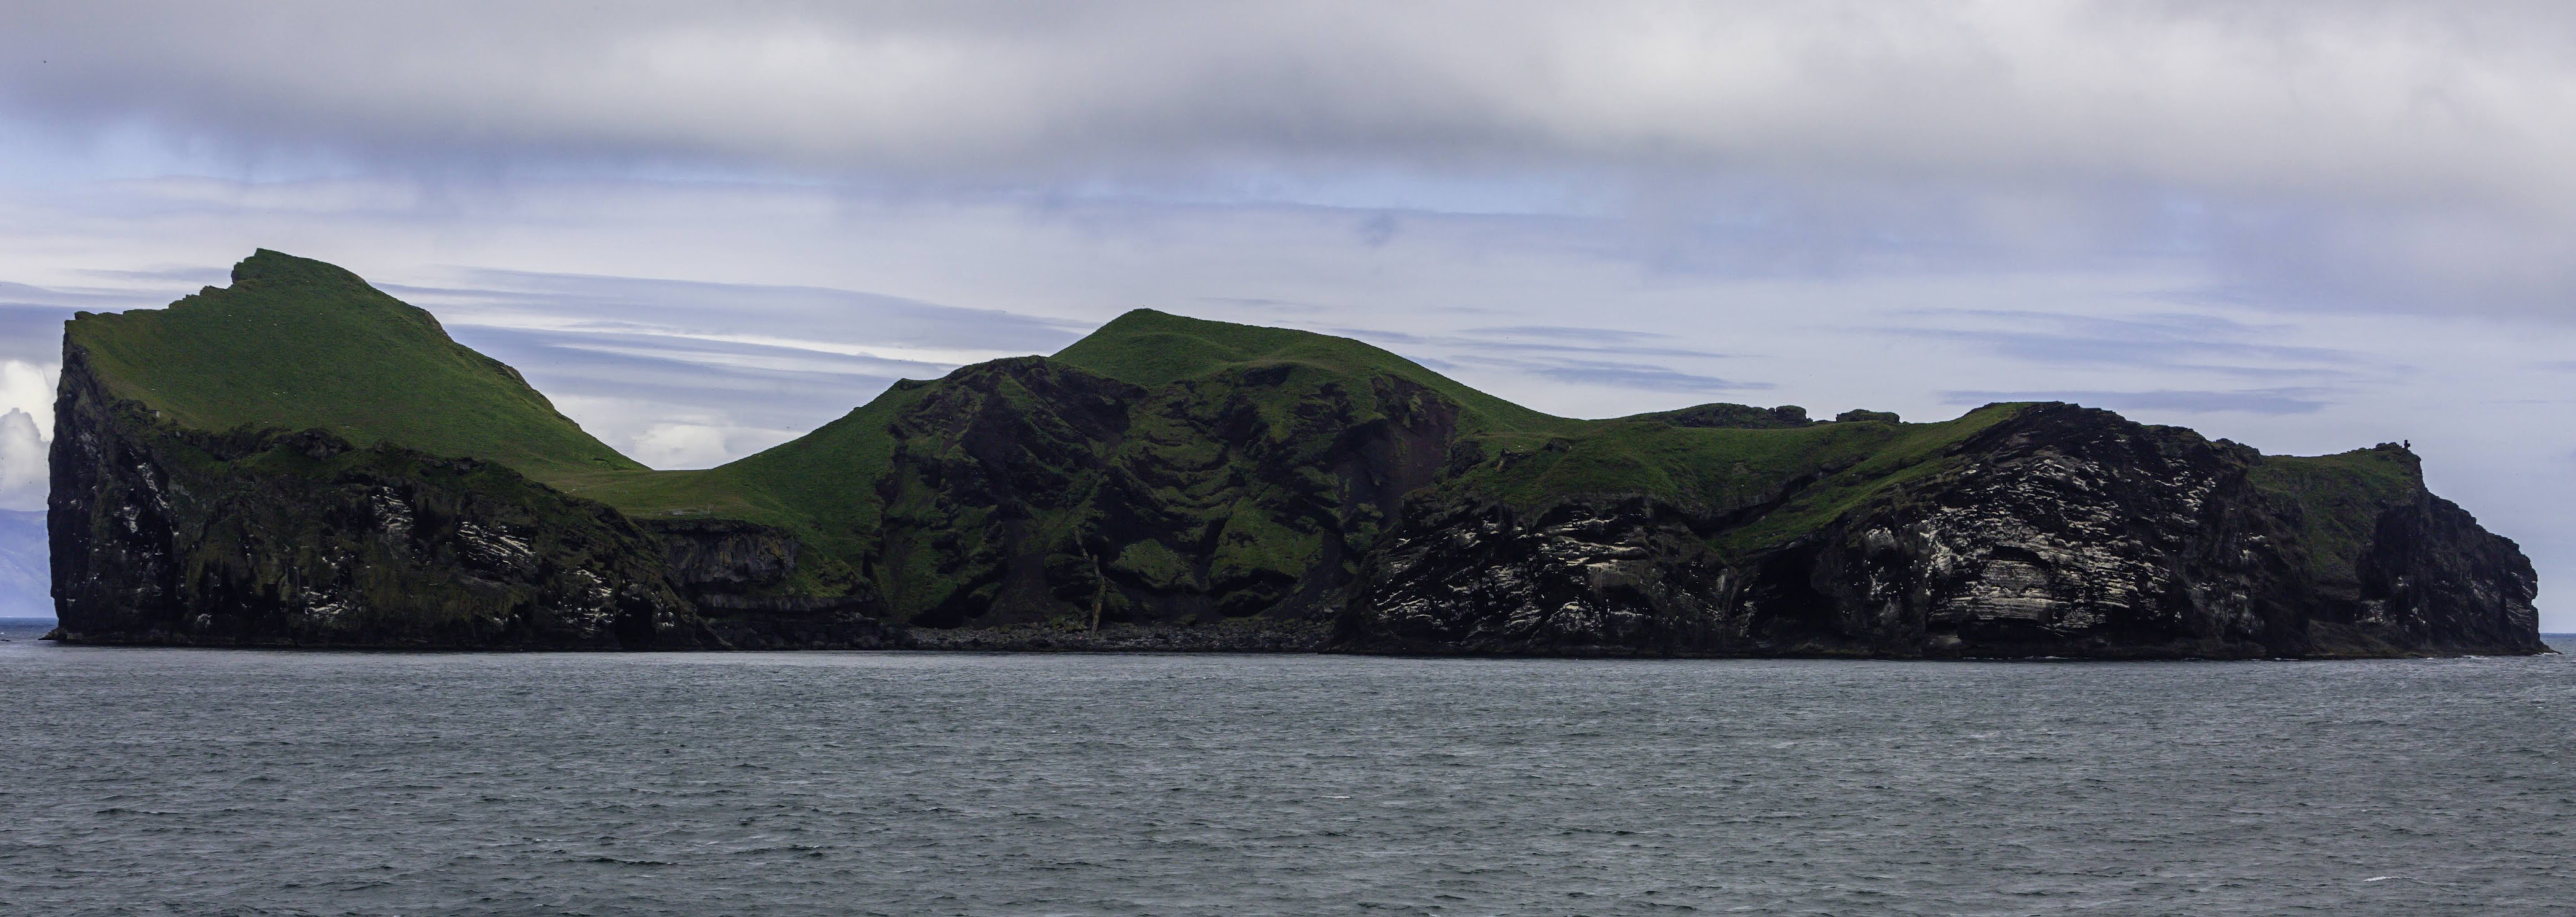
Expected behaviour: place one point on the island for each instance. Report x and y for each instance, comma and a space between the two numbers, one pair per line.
300, 460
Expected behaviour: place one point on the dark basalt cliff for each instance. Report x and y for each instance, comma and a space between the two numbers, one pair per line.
165, 535
1171, 484
2061, 531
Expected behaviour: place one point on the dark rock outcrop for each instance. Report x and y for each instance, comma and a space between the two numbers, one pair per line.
161, 534
1734, 416
2062, 532
1027, 490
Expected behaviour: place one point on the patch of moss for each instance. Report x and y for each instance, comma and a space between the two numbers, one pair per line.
1158, 566
1152, 349
2339, 499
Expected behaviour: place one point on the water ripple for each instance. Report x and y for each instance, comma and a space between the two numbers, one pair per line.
209, 782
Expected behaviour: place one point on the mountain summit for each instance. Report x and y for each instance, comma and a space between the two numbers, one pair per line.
298, 344
300, 459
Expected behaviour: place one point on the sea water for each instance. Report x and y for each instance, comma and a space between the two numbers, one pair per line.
155, 781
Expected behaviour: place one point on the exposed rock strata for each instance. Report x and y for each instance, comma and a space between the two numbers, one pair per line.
165, 535
1026, 490
2062, 532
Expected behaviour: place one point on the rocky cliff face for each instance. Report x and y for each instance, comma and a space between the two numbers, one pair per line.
2061, 532
1028, 490
1029, 494
738, 576
162, 534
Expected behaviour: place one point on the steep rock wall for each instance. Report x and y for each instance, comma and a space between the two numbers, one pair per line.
165, 535
1029, 490
161, 534
2062, 532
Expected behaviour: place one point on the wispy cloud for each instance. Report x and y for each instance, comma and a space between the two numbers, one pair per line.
1536, 339
2193, 341
2288, 146
692, 372
1643, 377
709, 345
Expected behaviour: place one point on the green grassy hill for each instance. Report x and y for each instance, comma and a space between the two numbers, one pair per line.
1230, 467
1152, 349
299, 344
824, 485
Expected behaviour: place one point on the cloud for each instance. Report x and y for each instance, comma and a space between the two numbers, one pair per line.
697, 445
2335, 155
29, 387
784, 315
1537, 339
2174, 341
2255, 401
690, 374
26, 427
1643, 377
23, 478
2388, 98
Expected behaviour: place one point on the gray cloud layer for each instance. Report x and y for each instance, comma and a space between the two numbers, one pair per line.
2409, 154
2387, 100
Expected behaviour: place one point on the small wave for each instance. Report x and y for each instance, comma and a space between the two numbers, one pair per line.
610, 859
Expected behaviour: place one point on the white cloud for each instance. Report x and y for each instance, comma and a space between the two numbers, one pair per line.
2404, 155
918, 356
29, 387
2367, 99
26, 426
668, 435
693, 445
23, 479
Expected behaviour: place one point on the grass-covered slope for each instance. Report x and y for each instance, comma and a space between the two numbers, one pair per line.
1778, 483
2340, 499
831, 486
1149, 348
1230, 468
298, 344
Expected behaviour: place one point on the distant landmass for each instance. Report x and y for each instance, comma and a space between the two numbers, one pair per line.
26, 587
302, 460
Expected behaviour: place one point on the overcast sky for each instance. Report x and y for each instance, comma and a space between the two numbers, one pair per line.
705, 229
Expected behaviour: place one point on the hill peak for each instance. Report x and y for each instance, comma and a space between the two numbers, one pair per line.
270, 267
300, 344
1153, 348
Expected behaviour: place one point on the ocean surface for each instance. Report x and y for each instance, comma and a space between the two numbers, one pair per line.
146, 781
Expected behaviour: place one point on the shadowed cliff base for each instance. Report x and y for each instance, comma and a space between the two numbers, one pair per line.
233, 471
